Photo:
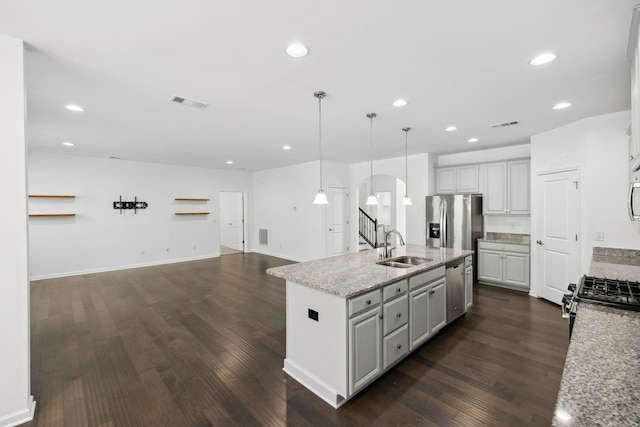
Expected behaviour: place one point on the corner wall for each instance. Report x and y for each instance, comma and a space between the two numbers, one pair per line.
598, 146
283, 206
16, 403
99, 237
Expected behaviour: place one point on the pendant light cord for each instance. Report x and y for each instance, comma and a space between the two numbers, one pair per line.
320, 136
371, 116
406, 162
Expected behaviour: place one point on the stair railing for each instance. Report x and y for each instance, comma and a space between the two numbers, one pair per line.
368, 228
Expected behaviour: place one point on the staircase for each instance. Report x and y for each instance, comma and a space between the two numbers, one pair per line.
368, 230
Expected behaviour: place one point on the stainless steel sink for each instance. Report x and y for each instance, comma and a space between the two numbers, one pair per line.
404, 261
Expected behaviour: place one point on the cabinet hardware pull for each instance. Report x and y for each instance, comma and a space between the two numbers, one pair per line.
399, 346
398, 290
368, 302
381, 316
399, 315
431, 292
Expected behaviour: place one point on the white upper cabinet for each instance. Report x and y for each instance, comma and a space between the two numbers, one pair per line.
506, 189
459, 179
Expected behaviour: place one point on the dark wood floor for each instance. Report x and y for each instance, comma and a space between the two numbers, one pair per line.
202, 344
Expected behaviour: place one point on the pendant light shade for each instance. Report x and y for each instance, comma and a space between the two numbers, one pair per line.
321, 198
406, 200
372, 199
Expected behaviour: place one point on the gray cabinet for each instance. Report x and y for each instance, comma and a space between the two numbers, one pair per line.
459, 179
468, 282
504, 265
365, 360
506, 188
427, 305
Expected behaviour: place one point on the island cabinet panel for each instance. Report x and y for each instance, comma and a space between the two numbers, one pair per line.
419, 317
468, 284
427, 305
364, 349
437, 306
395, 314
317, 350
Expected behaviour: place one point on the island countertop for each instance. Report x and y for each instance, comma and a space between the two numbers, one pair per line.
356, 273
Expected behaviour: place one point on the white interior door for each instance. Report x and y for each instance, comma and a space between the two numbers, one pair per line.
556, 239
232, 220
338, 221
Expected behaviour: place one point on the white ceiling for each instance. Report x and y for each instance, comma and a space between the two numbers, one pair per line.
457, 62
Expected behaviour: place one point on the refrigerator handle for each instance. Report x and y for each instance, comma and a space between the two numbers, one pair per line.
443, 224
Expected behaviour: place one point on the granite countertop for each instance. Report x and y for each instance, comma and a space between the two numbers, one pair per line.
508, 238
356, 273
600, 383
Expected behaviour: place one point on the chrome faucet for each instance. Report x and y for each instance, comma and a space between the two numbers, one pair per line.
388, 252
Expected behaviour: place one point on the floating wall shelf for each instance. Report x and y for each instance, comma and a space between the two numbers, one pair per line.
58, 214
186, 199
192, 213
50, 196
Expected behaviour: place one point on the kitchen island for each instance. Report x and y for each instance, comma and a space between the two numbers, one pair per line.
349, 319
600, 382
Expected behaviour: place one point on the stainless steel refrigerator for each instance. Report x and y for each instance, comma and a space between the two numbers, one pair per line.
455, 221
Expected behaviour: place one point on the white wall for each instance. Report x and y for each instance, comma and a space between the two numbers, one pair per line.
99, 238
283, 205
518, 224
598, 146
419, 178
16, 403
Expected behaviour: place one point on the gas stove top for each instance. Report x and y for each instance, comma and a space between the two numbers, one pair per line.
612, 292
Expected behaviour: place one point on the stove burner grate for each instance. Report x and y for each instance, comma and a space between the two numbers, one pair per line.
613, 291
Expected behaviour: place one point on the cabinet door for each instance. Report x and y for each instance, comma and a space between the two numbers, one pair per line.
494, 200
467, 179
518, 188
489, 265
468, 286
365, 340
446, 180
437, 307
516, 269
418, 316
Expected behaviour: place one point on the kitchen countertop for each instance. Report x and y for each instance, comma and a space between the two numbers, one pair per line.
507, 238
356, 273
600, 382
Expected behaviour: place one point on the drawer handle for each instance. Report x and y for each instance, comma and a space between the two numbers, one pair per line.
399, 315
431, 292
368, 302
381, 316
399, 346
398, 290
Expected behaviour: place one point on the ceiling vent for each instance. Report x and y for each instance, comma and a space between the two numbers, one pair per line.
188, 102
505, 124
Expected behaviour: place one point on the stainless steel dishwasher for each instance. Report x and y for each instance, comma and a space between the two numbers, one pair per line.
454, 276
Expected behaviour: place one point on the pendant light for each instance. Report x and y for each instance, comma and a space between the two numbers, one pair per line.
321, 197
371, 200
406, 200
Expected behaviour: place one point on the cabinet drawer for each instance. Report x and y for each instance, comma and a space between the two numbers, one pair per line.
363, 302
395, 314
503, 247
468, 261
395, 346
426, 277
395, 289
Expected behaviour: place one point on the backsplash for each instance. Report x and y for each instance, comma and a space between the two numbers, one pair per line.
616, 256
522, 239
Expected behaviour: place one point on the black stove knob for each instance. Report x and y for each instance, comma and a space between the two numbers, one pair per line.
572, 287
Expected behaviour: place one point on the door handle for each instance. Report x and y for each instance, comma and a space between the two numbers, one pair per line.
331, 229
539, 242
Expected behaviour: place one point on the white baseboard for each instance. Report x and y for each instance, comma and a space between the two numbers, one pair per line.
283, 256
121, 267
20, 417
316, 386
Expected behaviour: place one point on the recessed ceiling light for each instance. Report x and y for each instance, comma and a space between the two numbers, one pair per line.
400, 102
562, 105
472, 140
73, 107
297, 50
544, 58
286, 147
68, 144
229, 162
451, 128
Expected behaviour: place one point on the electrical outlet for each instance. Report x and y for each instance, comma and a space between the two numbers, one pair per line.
142, 252
599, 236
